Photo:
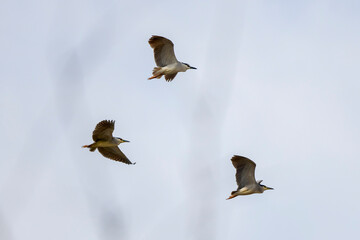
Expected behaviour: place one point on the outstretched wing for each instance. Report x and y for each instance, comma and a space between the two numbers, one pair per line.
163, 51
103, 130
114, 153
170, 77
245, 171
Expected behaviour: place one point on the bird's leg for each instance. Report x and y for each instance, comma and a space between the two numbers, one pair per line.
89, 146
155, 76
157, 73
232, 196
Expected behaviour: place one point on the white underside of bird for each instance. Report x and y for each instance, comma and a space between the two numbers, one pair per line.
172, 68
169, 71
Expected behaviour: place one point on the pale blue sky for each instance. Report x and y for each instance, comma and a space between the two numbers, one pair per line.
277, 81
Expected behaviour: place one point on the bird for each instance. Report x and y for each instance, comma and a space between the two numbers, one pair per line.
165, 59
106, 143
245, 177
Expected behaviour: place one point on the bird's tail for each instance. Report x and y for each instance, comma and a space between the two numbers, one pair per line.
157, 73
90, 146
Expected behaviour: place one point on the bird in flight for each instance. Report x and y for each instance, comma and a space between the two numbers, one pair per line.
245, 177
106, 143
165, 59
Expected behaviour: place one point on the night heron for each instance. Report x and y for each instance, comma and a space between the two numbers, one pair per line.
245, 177
165, 59
106, 143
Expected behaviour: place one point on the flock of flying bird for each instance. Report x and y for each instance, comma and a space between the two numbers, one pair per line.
168, 66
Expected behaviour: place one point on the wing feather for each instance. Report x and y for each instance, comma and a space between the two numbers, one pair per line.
170, 77
114, 153
245, 171
163, 51
103, 130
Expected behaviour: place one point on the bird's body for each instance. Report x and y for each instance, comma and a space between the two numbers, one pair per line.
245, 177
167, 64
112, 143
173, 68
250, 189
106, 143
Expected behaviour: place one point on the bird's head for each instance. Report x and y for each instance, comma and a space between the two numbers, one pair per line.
264, 187
122, 140
187, 66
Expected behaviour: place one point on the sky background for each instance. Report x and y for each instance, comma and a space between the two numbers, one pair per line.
277, 81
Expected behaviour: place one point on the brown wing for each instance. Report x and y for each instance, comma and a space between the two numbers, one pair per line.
114, 153
245, 171
103, 130
163, 51
170, 77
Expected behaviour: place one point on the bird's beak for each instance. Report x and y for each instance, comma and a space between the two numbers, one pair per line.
269, 188
193, 68
125, 140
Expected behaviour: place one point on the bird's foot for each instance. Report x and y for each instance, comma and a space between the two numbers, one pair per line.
232, 196
155, 76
